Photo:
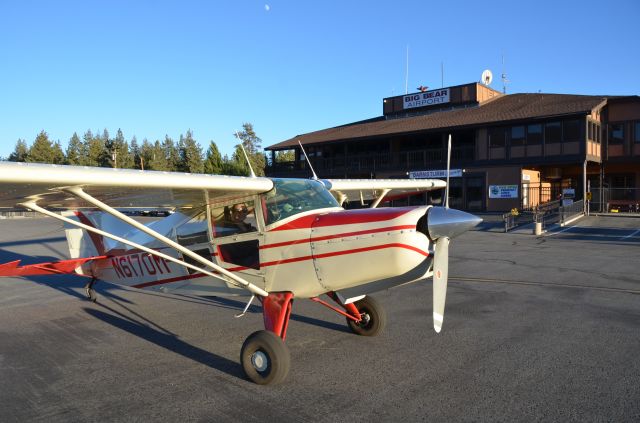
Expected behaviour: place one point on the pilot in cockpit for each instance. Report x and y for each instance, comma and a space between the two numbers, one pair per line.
235, 218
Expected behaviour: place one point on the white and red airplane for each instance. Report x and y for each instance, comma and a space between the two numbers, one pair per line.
275, 239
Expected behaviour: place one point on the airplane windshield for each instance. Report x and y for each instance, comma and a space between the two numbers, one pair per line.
293, 196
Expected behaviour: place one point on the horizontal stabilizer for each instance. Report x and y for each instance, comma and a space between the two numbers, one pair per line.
64, 267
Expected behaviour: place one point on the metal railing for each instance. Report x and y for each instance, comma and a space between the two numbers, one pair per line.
373, 162
571, 211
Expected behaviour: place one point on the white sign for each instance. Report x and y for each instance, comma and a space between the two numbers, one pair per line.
503, 191
428, 98
426, 174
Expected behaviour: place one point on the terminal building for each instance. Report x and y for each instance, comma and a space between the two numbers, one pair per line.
508, 150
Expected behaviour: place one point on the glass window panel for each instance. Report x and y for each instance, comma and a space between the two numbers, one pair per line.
517, 136
534, 134
571, 130
552, 133
233, 219
636, 137
497, 137
616, 133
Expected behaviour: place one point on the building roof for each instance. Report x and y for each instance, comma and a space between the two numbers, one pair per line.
512, 107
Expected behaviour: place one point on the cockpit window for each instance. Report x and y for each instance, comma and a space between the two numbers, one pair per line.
293, 196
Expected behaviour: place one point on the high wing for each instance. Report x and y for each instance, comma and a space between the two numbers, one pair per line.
376, 189
20, 182
42, 187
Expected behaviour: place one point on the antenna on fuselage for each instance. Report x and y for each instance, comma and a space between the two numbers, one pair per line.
315, 177
253, 174
446, 204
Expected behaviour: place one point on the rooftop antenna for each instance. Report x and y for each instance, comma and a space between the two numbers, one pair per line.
505, 81
406, 77
315, 177
252, 173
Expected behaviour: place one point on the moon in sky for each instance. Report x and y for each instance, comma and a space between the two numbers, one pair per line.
267, 7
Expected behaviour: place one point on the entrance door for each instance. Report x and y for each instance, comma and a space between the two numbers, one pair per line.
236, 238
474, 193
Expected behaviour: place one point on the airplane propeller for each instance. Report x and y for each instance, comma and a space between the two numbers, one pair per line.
443, 224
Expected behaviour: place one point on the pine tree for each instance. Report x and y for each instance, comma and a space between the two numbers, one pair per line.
252, 145
20, 152
135, 153
237, 165
75, 154
146, 155
213, 163
171, 154
57, 155
190, 154
158, 160
94, 147
41, 150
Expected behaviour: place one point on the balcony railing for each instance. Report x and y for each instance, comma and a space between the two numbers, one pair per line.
399, 161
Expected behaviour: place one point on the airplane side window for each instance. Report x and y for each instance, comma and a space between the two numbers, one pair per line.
232, 219
194, 231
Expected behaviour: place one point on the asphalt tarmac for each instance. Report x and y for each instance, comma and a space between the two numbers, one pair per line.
536, 329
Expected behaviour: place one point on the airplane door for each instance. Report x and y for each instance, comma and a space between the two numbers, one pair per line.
236, 236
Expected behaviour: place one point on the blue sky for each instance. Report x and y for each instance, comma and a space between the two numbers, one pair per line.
162, 67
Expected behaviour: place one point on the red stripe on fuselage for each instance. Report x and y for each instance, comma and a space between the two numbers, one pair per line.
341, 235
289, 260
346, 217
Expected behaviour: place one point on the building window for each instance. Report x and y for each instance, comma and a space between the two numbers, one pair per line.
571, 130
497, 137
534, 134
552, 133
517, 136
636, 137
616, 133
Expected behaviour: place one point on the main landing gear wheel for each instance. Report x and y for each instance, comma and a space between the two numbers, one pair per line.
374, 319
90, 292
265, 358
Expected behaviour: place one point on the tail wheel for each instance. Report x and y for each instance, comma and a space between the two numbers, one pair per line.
374, 319
265, 358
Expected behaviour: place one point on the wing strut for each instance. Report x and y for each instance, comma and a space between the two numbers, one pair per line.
78, 192
379, 199
235, 280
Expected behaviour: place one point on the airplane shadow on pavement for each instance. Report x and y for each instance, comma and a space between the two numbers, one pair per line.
170, 342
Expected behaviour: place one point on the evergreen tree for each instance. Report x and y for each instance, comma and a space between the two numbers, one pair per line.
20, 152
146, 155
213, 163
190, 154
95, 149
171, 153
57, 155
41, 150
75, 153
253, 146
119, 149
237, 165
135, 153
158, 160
105, 159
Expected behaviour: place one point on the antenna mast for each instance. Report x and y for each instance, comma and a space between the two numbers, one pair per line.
504, 78
406, 77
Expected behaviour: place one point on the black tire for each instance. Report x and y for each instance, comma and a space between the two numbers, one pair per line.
265, 358
374, 318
